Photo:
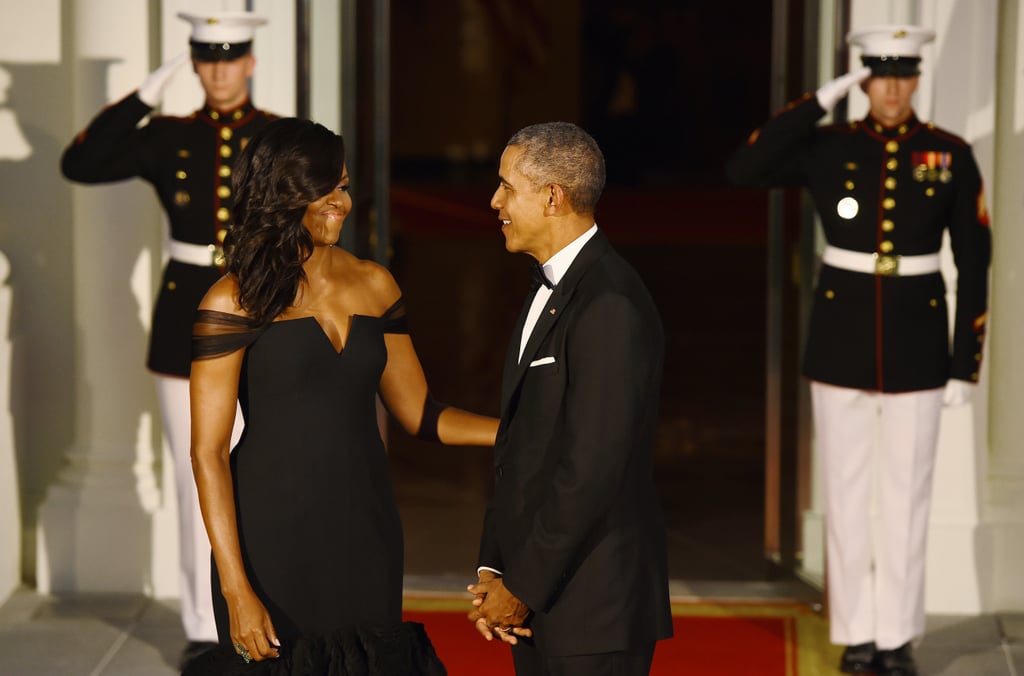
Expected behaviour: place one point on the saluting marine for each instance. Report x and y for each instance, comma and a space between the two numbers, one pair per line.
878, 352
189, 161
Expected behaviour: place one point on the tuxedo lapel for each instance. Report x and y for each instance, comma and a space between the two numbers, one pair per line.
515, 368
512, 354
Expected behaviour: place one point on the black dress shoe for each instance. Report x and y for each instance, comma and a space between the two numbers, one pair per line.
858, 659
897, 662
193, 650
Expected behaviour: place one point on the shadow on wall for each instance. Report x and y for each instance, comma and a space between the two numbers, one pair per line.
50, 399
35, 235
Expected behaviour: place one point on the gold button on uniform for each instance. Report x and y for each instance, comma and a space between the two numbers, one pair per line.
223, 214
830, 294
930, 192
224, 171
237, 115
933, 303
890, 183
225, 151
888, 203
878, 128
221, 234
888, 226
885, 246
172, 286
225, 133
903, 129
182, 198
892, 147
849, 185
891, 164
183, 153
223, 191
180, 174
214, 114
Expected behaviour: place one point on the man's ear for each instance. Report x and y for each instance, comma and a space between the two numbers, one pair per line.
557, 201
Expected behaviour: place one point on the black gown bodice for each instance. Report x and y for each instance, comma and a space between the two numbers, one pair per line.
317, 520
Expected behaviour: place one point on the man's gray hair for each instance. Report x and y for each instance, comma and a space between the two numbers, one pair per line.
562, 153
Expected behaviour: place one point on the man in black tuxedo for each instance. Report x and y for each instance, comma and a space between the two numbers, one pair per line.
572, 568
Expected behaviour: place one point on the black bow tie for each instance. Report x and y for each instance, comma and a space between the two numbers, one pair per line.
537, 277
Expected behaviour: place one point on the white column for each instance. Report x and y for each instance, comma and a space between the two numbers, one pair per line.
10, 505
1003, 550
958, 94
94, 526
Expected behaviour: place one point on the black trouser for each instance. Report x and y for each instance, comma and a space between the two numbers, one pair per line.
530, 662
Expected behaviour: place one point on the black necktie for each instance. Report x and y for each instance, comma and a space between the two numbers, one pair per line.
537, 277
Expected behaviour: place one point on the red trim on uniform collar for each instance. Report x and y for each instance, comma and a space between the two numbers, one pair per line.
227, 118
901, 131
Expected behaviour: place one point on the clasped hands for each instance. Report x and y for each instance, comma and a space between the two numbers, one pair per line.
497, 612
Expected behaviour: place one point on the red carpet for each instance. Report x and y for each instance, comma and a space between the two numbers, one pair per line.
703, 645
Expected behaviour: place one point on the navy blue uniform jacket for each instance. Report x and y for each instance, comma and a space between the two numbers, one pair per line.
188, 161
912, 183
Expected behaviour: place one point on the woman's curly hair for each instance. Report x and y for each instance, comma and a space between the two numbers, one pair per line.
285, 166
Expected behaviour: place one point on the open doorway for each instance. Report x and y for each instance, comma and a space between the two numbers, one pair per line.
669, 89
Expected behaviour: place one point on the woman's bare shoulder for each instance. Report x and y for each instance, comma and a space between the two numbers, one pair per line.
377, 286
223, 297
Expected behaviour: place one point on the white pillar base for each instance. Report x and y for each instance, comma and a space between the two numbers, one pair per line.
958, 557
95, 526
812, 567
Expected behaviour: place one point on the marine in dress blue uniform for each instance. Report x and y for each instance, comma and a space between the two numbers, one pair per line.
878, 352
188, 161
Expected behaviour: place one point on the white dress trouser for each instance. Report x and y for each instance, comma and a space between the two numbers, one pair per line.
194, 545
876, 585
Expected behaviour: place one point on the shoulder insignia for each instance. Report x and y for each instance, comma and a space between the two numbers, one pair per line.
982, 209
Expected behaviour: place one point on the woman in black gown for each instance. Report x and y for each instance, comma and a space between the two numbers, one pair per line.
306, 537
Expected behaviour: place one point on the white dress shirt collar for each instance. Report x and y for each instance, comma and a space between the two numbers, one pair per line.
556, 266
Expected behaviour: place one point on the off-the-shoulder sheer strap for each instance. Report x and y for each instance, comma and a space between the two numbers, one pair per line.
394, 318
216, 334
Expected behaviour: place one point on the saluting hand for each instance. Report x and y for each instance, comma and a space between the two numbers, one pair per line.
830, 93
151, 92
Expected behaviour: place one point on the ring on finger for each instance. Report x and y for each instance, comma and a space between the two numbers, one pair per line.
243, 652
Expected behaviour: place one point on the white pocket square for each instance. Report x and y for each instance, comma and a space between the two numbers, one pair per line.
542, 361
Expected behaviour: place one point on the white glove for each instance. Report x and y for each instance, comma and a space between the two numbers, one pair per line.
152, 90
957, 392
830, 93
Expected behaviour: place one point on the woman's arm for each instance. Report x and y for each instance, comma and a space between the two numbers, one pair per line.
403, 385
213, 396
403, 388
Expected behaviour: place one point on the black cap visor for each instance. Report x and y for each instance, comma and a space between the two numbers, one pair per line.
219, 51
893, 66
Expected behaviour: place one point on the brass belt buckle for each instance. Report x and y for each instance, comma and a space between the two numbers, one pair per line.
886, 265
217, 253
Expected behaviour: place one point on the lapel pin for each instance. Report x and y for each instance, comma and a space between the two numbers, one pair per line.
552, 311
